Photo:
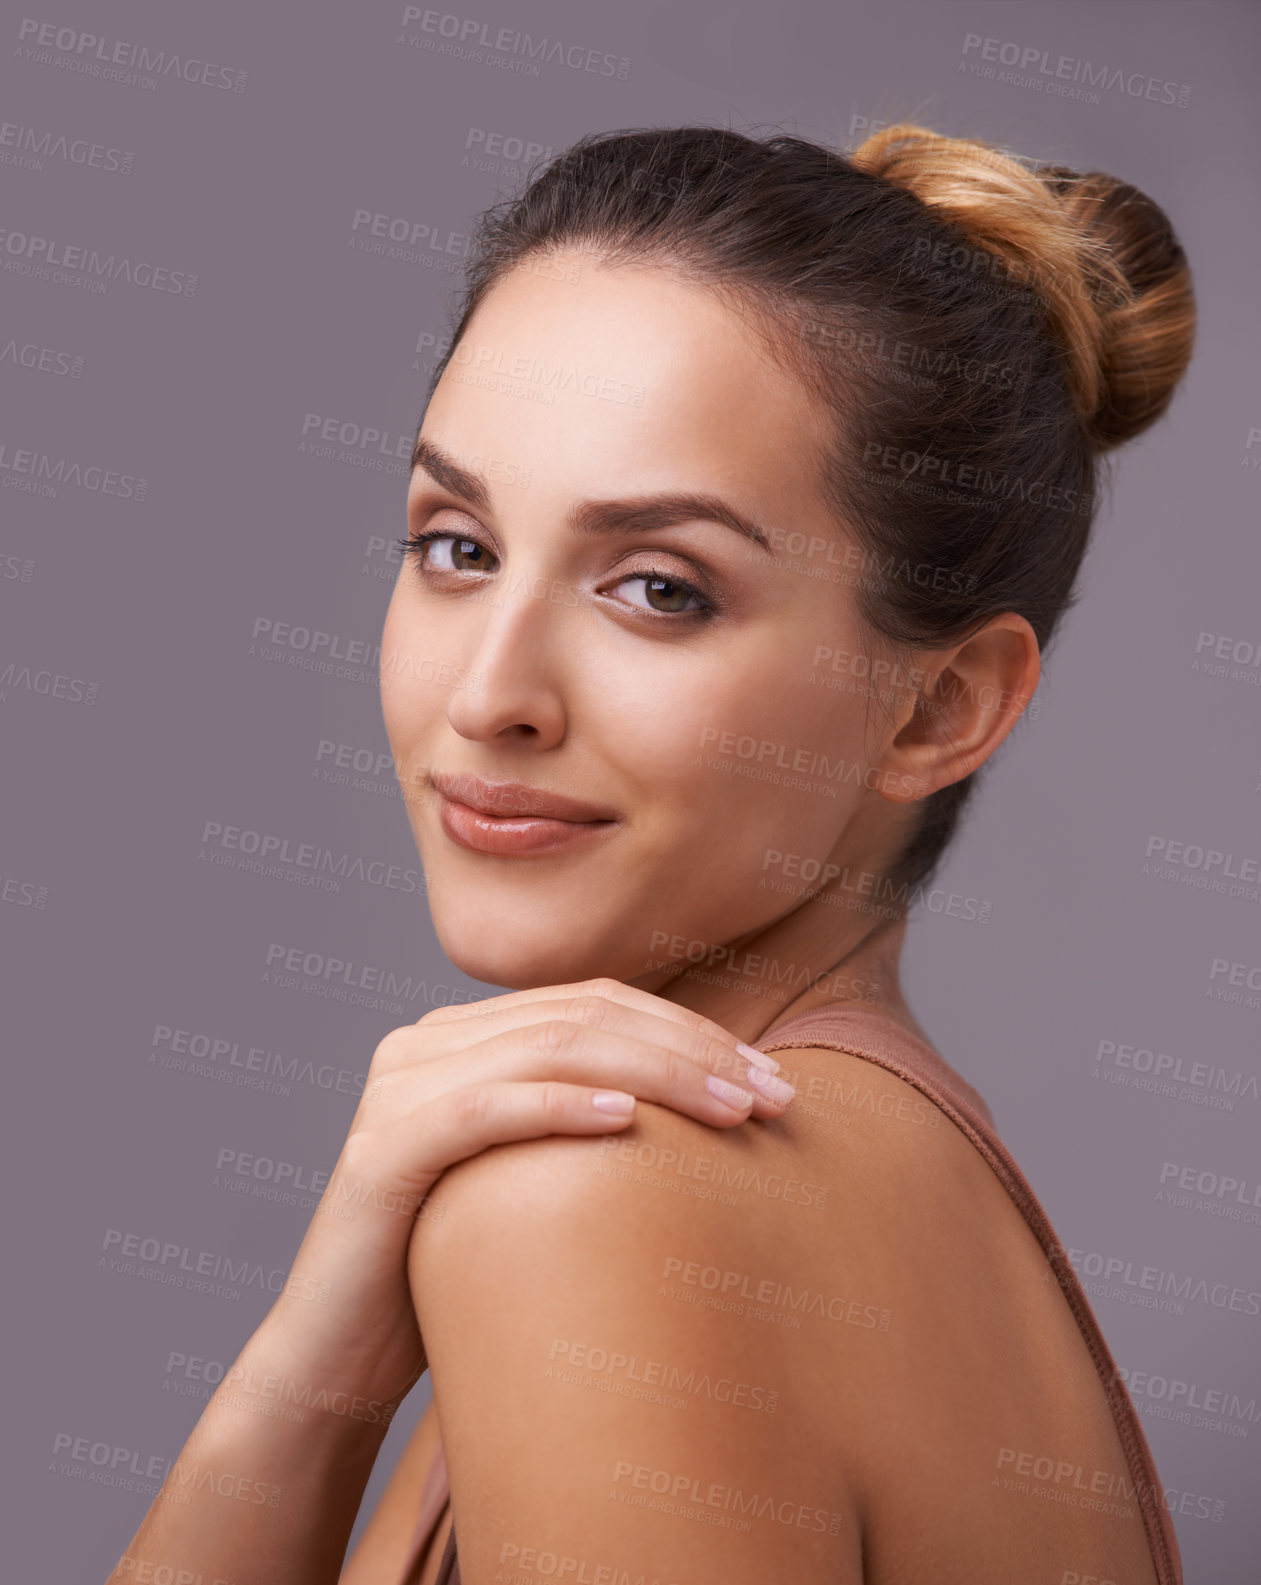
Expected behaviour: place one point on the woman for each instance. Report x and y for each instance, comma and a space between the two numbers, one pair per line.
751, 489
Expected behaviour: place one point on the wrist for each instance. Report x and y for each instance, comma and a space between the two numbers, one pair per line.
267, 1386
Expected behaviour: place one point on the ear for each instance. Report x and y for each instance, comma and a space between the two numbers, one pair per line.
969, 699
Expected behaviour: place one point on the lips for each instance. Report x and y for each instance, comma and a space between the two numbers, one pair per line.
507, 818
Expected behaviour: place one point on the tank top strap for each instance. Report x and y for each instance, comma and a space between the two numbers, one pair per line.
874, 1036
863, 1032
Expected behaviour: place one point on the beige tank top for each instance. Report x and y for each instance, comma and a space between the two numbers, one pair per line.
875, 1037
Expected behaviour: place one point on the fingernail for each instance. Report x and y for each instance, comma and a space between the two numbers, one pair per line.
732, 1094
613, 1101
772, 1088
752, 1054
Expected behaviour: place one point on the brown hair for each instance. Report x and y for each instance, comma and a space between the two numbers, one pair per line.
980, 331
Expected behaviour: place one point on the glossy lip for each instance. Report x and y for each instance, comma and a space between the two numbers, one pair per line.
511, 818
511, 800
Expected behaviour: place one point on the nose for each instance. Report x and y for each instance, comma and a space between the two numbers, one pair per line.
514, 688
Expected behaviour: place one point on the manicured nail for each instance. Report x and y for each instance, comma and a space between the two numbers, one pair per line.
613, 1101
732, 1094
752, 1054
772, 1088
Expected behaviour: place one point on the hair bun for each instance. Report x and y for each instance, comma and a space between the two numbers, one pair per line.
1101, 256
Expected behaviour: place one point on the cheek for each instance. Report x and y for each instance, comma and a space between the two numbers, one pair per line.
719, 745
391, 710
775, 714
410, 702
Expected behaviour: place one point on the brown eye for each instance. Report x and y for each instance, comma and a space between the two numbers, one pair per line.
670, 596
467, 555
450, 553
666, 596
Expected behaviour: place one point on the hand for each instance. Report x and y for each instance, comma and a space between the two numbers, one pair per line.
519, 1066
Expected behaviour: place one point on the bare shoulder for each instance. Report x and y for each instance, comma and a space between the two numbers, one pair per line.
689, 1325
801, 1346
985, 1375
825, 1247
624, 1311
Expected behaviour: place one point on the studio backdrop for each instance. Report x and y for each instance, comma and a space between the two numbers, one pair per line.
232, 238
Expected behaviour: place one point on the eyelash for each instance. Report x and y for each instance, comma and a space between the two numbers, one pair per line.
416, 544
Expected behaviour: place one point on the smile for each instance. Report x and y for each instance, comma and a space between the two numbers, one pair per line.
510, 819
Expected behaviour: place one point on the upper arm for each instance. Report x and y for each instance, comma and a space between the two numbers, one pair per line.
609, 1386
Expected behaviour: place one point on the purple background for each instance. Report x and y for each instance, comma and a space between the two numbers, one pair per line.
116, 925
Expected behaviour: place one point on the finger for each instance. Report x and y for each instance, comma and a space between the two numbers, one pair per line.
741, 1064
722, 1056
676, 1027
574, 1052
610, 989
465, 1121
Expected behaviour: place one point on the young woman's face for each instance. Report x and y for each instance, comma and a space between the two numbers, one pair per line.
567, 629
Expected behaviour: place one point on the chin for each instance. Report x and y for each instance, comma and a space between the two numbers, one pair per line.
516, 958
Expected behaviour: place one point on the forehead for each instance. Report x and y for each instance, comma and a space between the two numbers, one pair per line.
631, 372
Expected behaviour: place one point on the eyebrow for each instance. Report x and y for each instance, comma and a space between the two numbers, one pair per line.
641, 514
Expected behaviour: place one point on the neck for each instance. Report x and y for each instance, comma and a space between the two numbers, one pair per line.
820, 954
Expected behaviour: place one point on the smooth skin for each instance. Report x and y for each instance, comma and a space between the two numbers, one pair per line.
519, 648
256, 1497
